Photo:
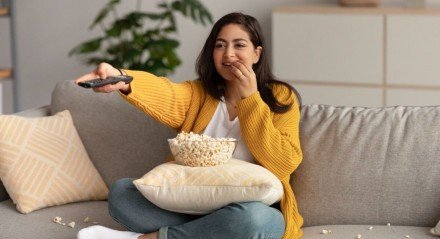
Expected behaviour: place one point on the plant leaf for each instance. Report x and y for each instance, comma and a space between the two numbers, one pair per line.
197, 10
163, 5
132, 42
103, 12
87, 47
172, 27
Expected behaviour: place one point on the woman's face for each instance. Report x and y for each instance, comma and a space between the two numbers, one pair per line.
234, 44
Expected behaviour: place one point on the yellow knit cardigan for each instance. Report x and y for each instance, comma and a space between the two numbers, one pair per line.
273, 139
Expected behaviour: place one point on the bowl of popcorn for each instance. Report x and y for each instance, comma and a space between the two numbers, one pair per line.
197, 150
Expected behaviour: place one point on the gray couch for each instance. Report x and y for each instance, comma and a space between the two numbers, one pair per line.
362, 167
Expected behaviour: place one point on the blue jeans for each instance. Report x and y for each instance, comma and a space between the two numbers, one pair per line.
236, 220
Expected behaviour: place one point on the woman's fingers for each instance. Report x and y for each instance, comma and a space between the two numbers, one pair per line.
237, 71
241, 71
102, 70
242, 67
86, 77
247, 79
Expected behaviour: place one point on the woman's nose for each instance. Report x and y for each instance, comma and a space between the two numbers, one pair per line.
229, 52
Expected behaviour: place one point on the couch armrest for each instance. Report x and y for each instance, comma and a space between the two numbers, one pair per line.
35, 112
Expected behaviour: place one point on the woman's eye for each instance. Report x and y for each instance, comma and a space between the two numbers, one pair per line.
219, 45
240, 45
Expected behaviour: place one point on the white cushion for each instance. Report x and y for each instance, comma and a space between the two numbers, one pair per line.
201, 190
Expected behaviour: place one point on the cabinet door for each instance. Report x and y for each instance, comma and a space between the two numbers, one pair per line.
413, 50
328, 47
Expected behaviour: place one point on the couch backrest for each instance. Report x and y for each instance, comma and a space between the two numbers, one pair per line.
120, 140
369, 165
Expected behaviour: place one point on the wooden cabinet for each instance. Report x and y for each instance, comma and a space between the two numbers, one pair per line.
359, 56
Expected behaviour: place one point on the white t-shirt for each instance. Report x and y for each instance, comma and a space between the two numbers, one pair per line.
220, 126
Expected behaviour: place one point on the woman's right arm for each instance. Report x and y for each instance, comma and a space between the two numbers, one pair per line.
163, 100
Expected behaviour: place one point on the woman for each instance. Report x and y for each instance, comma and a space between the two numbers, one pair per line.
235, 96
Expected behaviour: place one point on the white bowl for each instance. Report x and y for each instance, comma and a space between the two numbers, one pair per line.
201, 153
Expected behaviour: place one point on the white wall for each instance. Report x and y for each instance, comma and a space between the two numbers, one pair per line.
46, 30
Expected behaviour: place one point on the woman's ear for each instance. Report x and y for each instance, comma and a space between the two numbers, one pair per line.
257, 51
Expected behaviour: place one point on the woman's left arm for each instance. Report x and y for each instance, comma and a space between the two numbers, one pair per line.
273, 139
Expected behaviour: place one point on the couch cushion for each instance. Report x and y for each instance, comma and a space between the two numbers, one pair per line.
352, 231
120, 139
39, 224
369, 165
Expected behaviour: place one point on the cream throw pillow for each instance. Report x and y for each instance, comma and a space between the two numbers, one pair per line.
44, 163
436, 230
201, 190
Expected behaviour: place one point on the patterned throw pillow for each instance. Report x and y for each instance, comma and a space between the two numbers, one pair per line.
200, 190
44, 163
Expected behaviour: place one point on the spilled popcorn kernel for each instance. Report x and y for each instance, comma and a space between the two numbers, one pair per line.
359, 236
407, 236
324, 232
57, 220
71, 224
370, 228
86, 220
388, 224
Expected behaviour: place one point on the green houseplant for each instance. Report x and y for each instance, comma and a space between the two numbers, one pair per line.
140, 40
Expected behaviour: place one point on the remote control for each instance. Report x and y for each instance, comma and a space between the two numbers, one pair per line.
101, 82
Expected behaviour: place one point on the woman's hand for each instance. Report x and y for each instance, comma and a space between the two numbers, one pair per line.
247, 80
103, 71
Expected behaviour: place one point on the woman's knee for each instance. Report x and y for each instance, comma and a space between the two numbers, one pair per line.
120, 188
118, 192
260, 220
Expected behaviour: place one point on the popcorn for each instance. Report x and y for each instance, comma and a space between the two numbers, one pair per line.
389, 224
71, 224
325, 232
57, 220
86, 220
201, 150
359, 236
370, 228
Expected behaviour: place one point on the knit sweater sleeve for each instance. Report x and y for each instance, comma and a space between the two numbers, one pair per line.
163, 100
273, 139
